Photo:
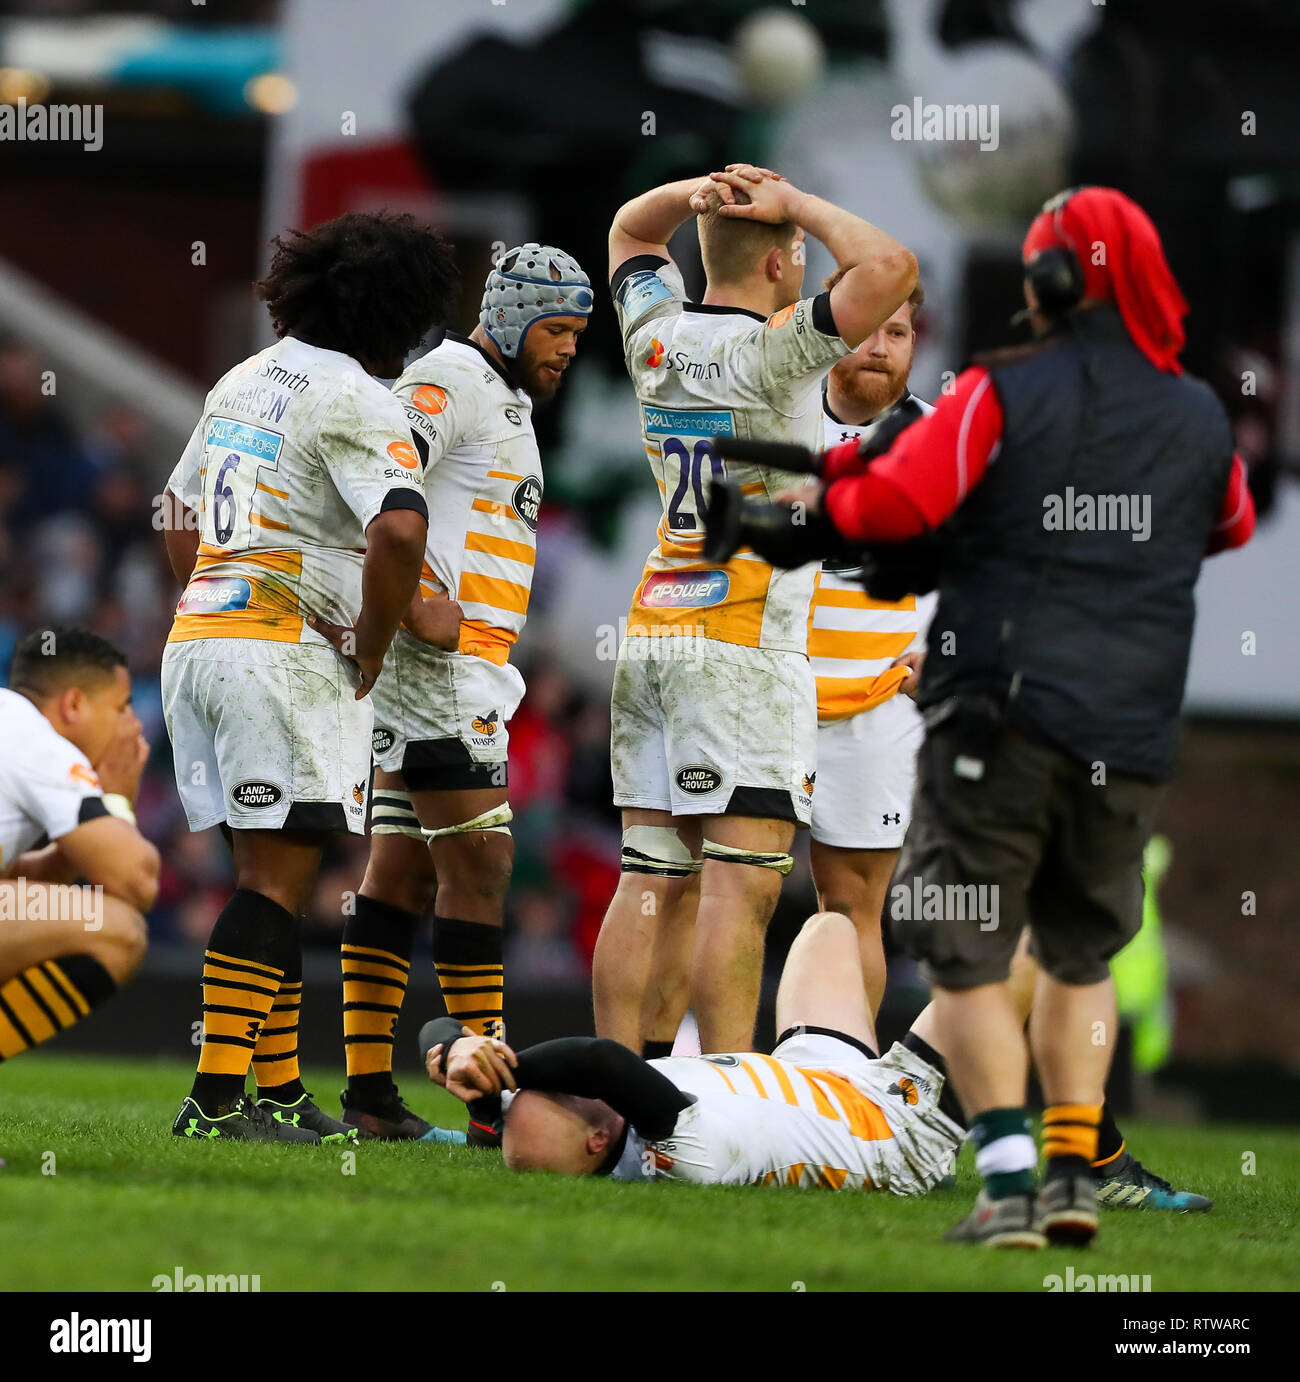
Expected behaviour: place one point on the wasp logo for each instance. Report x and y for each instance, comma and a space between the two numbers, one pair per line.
905, 1090
359, 793
656, 356
809, 782
487, 723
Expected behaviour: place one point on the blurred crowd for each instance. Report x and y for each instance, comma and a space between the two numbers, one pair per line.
79, 544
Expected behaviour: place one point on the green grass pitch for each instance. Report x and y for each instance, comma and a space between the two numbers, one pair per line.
98, 1195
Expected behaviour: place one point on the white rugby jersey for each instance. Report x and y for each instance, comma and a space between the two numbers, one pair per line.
852, 638
758, 1120
702, 372
47, 786
483, 483
297, 451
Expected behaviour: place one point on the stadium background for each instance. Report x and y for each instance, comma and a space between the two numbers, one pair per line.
124, 278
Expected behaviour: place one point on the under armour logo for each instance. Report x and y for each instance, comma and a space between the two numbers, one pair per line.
849, 436
894, 818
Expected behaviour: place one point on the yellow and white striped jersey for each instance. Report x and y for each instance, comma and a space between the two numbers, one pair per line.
297, 451
483, 482
852, 638
806, 1115
701, 372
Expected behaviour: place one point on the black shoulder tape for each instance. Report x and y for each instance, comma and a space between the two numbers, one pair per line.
92, 808
405, 499
823, 319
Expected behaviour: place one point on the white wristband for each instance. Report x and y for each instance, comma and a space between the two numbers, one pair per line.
117, 805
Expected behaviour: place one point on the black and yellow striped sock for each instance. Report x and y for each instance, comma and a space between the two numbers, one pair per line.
467, 956
243, 967
1110, 1141
1070, 1138
376, 955
275, 1058
48, 998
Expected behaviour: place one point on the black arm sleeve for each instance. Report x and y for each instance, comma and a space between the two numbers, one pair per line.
597, 1068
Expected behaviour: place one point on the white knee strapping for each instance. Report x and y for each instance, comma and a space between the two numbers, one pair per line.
493, 822
391, 813
728, 854
657, 849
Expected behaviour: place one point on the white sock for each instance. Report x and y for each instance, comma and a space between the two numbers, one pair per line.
1014, 1153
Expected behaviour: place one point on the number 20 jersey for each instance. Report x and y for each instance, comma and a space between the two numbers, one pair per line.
297, 451
701, 372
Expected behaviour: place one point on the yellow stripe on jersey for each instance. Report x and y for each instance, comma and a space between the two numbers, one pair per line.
494, 591
782, 1079
847, 628
271, 614
266, 489
269, 523
754, 1080
726, 1079
865, 1119
480, 639
503, 475
500, 547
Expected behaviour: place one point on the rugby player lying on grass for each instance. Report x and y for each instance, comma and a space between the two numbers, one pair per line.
822, 1110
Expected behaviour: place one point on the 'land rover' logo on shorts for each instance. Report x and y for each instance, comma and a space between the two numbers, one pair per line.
698, 778
255, 794
381, 740
527, 500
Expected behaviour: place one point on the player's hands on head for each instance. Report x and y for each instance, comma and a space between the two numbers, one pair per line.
122, 762
771, 198
435, 619
476, 1065
343, 640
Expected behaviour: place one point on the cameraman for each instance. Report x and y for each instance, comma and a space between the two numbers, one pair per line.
1079, 481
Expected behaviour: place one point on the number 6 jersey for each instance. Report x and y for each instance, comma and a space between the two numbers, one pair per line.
706, 371
297, 451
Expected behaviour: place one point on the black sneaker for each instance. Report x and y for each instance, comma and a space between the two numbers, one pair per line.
389, 1121
485, 1135
1004, 1223
1066, 1212
302, 1113
1126, 1184
242, 1121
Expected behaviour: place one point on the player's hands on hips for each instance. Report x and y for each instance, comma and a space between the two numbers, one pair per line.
365, 667
913, 661
435, 619
477, 1065
123, 761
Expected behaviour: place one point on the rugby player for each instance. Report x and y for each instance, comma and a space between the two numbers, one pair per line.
821, 1110
863, 653
297, 522
440, 829
713, 753
76, 876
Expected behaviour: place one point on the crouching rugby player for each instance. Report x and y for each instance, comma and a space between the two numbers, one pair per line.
822, 1110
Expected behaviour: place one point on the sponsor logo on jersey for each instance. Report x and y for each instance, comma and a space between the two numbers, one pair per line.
486, 723
693, 369
685, 590
527, 500
85, 775
215, 595
512, 415
381, 740
429, 398
404, 454
689, 422
779, 319
698, 778
656, 356
254, 793
716, 1060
